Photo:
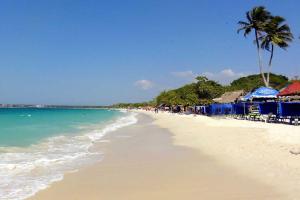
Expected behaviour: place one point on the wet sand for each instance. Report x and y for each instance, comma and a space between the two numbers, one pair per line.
141, 162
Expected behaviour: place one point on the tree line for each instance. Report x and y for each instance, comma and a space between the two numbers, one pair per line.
203, 91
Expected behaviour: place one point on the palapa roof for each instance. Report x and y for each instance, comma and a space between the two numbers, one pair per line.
291, 90
229, 97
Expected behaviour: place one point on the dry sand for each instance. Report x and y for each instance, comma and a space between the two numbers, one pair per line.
254, 149
186, 157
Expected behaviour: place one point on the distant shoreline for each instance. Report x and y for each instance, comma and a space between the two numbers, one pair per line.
54, 106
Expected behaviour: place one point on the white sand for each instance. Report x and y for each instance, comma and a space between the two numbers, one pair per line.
142, 163
255, 149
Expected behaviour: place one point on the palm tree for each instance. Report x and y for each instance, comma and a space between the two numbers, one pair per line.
277, 34
256, 20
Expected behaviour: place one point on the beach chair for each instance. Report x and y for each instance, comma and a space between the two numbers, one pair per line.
268, 111
254, 114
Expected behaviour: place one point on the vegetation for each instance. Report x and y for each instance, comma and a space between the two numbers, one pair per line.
254, 81
256, 18
186, 95
208, 89
277, 34
133, 105
269, 31
204, 91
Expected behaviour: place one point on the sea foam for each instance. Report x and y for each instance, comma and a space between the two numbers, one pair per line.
25, 171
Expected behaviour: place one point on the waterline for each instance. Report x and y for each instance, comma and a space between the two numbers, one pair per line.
26, 170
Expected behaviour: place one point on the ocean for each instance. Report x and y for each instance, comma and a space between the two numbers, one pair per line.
39, 145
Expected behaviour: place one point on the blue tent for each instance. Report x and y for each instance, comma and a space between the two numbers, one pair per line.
219, 109
241, 108
247, 96
261, 93
267, 108
289, 109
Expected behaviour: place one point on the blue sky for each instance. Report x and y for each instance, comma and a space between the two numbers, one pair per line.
103, 52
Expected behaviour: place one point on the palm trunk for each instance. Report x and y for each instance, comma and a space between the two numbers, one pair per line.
260, 59
270, 64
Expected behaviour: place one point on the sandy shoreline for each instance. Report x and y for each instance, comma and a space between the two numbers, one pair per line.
211, 159
254, 149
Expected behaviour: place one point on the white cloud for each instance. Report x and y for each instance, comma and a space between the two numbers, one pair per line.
225, 76
228, 73
144, 84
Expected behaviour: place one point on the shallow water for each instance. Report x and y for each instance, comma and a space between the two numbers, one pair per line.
37, 146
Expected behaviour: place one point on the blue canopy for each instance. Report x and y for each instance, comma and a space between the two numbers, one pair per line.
262, 92
247, 96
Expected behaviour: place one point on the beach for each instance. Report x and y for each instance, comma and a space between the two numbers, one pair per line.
263, 151
169, 156
150, 100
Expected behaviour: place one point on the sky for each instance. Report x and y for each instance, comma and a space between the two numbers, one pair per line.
94, 52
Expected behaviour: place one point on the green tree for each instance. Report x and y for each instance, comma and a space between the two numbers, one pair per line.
162, 98
256, 20
251, 82
208, 89
188, 94
169, 98
203, 91
277, 34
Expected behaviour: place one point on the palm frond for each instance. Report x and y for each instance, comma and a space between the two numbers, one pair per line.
277, 33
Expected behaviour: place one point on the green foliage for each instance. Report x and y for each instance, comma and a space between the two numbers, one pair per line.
168, 98
278, 81
277, 33
204, 91
133, 105
208, 89
254, 81
187, 95
270, 32
255, 20
201, 92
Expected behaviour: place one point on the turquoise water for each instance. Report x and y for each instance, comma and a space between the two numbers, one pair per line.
38, 146
23, 127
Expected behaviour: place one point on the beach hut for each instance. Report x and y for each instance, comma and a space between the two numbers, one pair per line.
223, 105
229, 97
257, 108
260, 94
291, 92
